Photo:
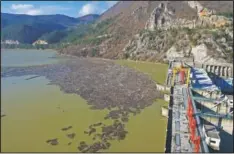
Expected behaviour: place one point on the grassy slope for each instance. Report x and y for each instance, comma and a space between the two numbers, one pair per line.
156, 71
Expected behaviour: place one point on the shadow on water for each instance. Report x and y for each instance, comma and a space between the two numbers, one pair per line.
169, 125
226, 144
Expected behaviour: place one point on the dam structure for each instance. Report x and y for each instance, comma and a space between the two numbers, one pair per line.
200, 107
223, 70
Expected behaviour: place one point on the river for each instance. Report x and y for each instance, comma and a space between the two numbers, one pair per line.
36, 111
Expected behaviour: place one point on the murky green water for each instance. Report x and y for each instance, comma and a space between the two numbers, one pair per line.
36, 112
20, 57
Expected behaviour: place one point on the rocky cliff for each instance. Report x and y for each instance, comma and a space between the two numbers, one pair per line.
205, 37
157, 30
201, 44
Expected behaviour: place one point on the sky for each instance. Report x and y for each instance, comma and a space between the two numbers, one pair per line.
69, 8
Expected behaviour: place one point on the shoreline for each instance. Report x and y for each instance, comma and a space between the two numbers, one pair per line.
25, 49
73, 56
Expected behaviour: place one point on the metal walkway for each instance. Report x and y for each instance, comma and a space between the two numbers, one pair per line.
180, 131
180, 136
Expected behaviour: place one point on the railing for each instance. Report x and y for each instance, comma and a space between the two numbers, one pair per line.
198, 122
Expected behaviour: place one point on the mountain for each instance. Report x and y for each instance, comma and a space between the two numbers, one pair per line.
89, 17
154, 30
27, 29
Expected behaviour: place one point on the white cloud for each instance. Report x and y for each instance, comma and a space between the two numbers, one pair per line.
21, 6
25, 9
90, 8
32, 10
95, 7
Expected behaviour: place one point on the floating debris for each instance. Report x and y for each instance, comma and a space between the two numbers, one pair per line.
66, 128
91, 126
124, 119
92, 131
83, 147
107, 93
98, 124
115, 131
52, 141
69, 143
95, 147
71, 136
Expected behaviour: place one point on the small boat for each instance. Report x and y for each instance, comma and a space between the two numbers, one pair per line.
212, 137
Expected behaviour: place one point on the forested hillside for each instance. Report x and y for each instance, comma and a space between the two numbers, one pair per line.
27, 29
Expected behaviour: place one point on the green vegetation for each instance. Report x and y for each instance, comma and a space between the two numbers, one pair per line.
27, 29
174, 32
88, 34
76, 33
54, 37
226, 14
128, 48
194, 38
27, 33
126, 55
82, 34
143, 31
94, 52
156, 71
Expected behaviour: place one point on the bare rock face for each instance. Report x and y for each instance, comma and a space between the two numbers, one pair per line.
229, 32
201, 55
199, 52
202, 44
195, 5
202, 34
164, 17
161, 16
172, 52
